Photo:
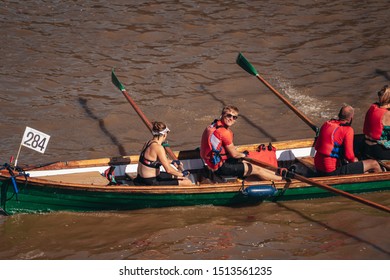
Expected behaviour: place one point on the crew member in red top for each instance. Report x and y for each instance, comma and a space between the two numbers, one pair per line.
334, 148
377, 127
221, 156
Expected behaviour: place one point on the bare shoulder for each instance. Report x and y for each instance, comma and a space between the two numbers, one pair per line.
386, 118
157, 148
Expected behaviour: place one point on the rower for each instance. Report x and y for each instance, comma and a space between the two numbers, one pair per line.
377, 127
153, 156
334, 148
220, 154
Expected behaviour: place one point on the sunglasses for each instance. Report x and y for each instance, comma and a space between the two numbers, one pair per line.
229, 116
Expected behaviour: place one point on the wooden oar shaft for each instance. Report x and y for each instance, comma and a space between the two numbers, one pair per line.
170, 153
343, 193
138, 110
324, 186
288, 103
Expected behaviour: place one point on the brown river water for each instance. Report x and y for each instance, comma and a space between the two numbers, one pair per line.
177, 60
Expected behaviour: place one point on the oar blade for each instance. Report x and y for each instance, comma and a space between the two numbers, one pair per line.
245, 64
116, 82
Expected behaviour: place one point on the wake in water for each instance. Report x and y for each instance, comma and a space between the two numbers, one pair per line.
310, 106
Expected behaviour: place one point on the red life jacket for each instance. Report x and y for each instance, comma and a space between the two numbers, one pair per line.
373, 126
212, 150
325, 143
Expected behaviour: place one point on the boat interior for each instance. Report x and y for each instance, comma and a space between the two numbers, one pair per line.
296, 155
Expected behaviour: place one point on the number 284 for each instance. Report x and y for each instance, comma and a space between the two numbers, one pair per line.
35, 141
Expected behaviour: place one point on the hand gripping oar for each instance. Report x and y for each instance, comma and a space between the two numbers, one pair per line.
244, 64
322, 185
118, 84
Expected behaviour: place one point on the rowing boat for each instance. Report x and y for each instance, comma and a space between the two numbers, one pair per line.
81, 186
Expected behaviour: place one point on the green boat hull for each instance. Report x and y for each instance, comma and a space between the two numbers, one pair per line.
37, 198
315, 192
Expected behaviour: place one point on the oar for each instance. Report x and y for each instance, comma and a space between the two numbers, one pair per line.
245, 64
322, 186
119, 85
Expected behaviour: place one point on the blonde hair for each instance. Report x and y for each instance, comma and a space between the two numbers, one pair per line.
384, 95
229, 108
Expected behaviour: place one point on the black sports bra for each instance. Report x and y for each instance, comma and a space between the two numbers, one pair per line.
152, 164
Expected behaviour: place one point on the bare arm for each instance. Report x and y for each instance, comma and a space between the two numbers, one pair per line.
162, 157
232, 150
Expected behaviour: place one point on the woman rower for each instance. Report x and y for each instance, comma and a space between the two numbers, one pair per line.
153, 156
377, 127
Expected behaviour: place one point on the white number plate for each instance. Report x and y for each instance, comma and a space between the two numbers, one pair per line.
35, 139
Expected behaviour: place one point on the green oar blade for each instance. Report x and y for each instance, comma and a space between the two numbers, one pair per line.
116, 82
245, 64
